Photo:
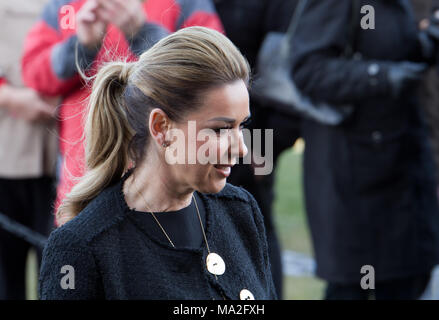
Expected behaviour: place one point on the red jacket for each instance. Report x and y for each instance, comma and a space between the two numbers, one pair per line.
48, 64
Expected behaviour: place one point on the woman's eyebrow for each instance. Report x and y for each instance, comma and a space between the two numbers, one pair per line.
228, 120
224, 119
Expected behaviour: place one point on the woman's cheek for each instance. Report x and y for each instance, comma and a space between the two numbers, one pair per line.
212, 149
223, 148
202, 152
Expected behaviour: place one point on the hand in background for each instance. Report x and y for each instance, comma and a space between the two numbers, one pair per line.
27, 104
127, 15
90, 29
404, 75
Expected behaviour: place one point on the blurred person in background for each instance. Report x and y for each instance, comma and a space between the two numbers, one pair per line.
103, 30
370, 182
246, 23
28, 149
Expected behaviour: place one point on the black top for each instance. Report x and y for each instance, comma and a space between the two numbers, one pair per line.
114, 258
182, 226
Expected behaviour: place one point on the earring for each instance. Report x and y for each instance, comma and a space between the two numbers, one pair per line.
165, 144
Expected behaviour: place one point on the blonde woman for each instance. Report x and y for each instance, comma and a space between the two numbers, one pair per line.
136, 226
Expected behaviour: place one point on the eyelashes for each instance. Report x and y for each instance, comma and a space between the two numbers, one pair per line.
218, 130
243, 125
246, 123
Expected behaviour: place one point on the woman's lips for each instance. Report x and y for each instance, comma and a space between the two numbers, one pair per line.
223, 170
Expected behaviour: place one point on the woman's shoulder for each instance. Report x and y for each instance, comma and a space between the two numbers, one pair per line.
102, 213
234, 199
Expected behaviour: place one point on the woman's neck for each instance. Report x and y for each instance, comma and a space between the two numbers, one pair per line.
149, 188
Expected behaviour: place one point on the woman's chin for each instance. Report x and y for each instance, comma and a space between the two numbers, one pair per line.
214, 186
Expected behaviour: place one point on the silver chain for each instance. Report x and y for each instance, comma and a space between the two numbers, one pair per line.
201, 224
167, 236
163, 230
155, 218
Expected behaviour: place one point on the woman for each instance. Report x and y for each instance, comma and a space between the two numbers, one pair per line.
369, 183
161, 230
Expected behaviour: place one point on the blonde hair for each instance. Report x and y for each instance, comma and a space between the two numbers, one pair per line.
172, 76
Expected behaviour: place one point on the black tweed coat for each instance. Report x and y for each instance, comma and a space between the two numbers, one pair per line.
114, 258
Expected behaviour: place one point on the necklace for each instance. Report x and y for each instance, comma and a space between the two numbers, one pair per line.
214, 263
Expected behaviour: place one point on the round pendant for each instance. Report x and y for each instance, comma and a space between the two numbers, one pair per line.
246, 295
215, 264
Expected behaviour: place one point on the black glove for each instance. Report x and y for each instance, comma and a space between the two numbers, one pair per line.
404, 75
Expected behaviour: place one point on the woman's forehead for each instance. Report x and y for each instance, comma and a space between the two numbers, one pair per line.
230, 101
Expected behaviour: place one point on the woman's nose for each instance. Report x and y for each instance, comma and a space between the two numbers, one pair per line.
238, 147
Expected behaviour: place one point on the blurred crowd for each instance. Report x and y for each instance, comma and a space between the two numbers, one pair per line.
371, 184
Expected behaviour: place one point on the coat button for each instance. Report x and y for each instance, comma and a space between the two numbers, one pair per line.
246, 295
377, 136
215, 264
373, 69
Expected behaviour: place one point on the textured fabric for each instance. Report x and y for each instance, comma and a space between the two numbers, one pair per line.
115, 259
27, 150
49, 64
370, 183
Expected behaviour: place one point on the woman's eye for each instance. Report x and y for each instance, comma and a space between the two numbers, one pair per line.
241, 126
245, 124
218, 130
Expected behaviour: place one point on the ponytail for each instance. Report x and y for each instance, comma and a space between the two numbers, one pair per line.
107, 139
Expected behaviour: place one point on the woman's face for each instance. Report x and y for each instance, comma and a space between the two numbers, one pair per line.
213, 139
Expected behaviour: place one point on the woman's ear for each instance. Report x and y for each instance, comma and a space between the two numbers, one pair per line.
159, 124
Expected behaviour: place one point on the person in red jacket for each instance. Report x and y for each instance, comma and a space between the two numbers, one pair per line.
104, 30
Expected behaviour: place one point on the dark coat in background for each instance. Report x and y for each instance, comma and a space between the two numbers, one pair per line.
247, 22
370, 183
429, 91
